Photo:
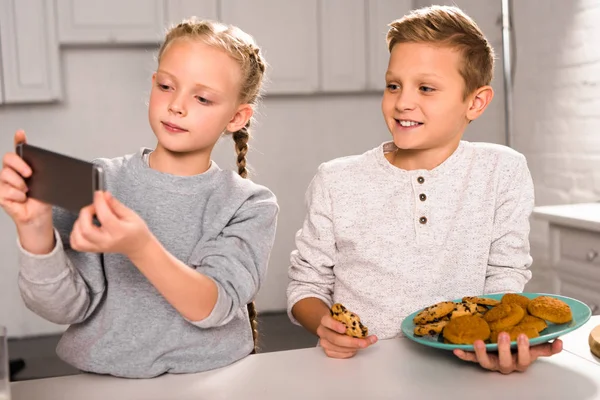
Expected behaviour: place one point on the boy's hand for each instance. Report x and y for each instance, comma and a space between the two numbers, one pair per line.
336, 343
121, 231
506, 362
23, 210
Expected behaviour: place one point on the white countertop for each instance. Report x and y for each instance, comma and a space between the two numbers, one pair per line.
391, 369
583, 215
577, 343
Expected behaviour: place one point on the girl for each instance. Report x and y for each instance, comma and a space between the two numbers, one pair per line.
166, 282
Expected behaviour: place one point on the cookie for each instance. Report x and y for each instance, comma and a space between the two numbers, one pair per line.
537, 323
504, 316
514, 332
430, 329
481, 310
550, 309
481, 301
352, 322
462, 309
434, 312
515, 298
466, 330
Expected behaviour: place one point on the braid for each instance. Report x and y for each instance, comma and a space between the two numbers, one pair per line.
240, 139
254, 324
242, 48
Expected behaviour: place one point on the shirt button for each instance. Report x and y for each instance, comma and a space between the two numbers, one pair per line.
422, 197
423, 220
420, 179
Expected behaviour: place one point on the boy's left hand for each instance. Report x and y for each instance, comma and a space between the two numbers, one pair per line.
121, 231
505, 361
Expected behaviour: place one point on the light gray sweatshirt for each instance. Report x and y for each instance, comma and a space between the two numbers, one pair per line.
386, 242
218, 223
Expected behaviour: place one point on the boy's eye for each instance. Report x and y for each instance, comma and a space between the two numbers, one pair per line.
426, 89
393, 86
163, 87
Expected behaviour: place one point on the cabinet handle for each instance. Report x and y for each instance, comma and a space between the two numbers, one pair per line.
591, 255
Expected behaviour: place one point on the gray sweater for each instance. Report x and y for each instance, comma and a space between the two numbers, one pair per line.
386, 242
218, 223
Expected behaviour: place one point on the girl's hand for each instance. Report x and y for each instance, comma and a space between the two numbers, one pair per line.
24, 210
506, 362
121, 231
336, 343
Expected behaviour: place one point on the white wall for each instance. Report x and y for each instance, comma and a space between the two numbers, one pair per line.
557, 104
104, 114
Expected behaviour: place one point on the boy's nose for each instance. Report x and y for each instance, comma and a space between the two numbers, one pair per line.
405, 102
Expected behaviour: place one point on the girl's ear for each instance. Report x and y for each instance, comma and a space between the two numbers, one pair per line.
240, 118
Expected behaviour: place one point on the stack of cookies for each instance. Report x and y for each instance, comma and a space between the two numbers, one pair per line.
480, 318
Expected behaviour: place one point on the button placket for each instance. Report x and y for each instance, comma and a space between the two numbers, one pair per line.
421, 202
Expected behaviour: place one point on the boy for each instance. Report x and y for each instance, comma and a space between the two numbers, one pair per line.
424, 218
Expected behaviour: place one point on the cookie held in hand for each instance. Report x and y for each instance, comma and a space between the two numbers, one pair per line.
352, 322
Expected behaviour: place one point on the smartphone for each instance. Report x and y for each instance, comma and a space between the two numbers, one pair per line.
60, 180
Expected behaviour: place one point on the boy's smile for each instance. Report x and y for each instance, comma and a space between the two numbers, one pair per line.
408, 124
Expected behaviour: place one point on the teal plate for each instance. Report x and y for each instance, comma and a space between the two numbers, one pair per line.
581, 314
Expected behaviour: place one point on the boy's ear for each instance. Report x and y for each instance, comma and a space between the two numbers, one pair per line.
479, 101
240, 118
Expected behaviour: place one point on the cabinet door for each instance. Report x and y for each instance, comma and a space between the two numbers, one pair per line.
579, 290
286, 31
30, 69
177, 10
110, 21
380, 14
343, 45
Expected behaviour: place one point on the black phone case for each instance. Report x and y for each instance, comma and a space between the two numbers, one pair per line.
60, 180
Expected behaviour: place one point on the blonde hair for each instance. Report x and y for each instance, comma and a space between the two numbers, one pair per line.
242, 48
448, 26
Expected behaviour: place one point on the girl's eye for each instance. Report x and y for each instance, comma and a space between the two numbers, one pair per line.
203, 100
426, 89
163, 87
393, 87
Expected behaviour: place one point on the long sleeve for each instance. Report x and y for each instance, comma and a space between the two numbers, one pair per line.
64, 286
237, 258
510, 257
311, 271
